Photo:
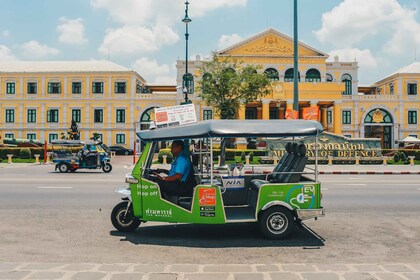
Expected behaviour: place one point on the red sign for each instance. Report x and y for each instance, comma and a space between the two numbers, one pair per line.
310, 113
207, 196
291, 114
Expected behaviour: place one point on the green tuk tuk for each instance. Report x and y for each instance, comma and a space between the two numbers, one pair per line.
277, 200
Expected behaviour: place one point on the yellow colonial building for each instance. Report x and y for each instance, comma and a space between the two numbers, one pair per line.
38, 100
388, 109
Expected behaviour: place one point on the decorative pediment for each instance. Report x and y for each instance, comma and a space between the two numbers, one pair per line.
270, 43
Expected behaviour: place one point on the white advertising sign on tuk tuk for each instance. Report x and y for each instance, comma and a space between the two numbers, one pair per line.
175, 115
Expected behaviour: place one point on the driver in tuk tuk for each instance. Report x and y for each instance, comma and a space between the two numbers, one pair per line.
175, 182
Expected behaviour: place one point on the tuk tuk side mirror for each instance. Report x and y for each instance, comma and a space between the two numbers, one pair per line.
130, 179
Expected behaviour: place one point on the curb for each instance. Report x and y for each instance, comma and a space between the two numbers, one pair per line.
370, 172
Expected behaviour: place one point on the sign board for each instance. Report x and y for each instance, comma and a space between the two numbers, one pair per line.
233, 182
175, 115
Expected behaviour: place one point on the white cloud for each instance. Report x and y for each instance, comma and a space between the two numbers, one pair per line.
147, 25
152, 72
405, 38
35, 50
228, 40
137, 39
72, 31
6, 54
354, 21
363, 57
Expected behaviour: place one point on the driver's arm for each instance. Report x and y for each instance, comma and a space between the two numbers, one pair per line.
173, 178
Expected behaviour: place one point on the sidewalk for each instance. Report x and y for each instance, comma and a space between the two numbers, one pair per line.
209, 271
369, 169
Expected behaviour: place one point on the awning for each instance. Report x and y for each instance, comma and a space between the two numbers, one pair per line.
233, 129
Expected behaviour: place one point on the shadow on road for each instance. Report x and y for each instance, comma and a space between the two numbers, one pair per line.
218, 236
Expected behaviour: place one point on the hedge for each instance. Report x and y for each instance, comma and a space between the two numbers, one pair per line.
15, 151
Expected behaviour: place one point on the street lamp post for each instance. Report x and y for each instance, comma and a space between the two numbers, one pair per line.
186, 20
295, 60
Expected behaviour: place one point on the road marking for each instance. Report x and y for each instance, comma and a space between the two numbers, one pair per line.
353, 184
324, 189
54, 187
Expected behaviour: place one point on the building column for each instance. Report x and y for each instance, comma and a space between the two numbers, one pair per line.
337, 118
88, 87
241, 112
313, 104
20, 120
43, 88
87, 118
65, 114
22, 85
43, 113
110, 87
324, 117
65, 86
265, 109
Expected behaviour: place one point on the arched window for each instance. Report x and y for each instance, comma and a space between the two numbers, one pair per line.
346, 78
288, 75
146, 117
188, 82
313, 75
272, 74
329, 78
378, 116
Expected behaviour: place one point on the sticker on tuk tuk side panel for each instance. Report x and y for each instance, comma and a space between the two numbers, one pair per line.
207, 196
207, 214
207, 208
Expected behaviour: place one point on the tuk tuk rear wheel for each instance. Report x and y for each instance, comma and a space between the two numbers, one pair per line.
63, 167
123, 221
107, 168
277, 222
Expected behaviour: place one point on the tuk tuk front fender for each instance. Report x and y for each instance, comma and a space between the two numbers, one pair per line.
276, 202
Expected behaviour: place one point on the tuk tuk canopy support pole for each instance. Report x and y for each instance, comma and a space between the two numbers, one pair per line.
134, 152
316, 158
211, 161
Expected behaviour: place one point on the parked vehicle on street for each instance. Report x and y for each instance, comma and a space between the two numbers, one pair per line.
277, 201
120, 150
90, 156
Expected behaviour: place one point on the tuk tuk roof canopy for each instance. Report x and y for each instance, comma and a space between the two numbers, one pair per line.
233, 129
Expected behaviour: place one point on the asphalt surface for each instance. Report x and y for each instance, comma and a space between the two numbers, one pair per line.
57, 226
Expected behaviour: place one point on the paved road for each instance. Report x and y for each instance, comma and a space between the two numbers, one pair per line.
49, 219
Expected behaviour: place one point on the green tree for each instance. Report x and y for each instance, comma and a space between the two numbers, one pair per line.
227, 84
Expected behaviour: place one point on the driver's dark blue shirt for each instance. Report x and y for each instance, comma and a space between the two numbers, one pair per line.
181, 165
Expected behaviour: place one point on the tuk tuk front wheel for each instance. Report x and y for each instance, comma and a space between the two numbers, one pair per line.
277, 222
123, 219
107, 167
63, 167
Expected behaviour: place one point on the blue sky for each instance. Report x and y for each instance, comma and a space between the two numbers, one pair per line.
148, 35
